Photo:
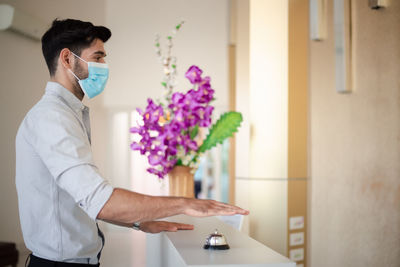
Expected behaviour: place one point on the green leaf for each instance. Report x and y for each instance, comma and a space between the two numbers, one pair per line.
164, 84
194, 132
179, 162
169, 37
194, 159
227, 124
178, 26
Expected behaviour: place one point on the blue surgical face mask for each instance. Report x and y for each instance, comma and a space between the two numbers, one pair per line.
94, 84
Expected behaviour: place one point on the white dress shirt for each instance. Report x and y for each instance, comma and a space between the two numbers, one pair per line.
60, 191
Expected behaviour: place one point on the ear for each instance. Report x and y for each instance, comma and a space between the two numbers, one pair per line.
65, 58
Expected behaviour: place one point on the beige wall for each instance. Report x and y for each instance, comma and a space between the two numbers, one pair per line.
136, 72
23, 76
355, 146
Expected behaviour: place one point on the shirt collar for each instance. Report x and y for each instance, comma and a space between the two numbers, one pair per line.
71, 100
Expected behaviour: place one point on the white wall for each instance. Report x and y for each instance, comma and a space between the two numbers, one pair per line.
241, 40
269, 121
136, 73
262, 95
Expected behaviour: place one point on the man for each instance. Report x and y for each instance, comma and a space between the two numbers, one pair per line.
60, 192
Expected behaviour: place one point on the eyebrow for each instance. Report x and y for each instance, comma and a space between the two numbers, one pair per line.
101, 53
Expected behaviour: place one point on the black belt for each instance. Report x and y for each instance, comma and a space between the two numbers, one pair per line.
39, 262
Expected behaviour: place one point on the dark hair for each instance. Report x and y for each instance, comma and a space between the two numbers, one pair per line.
73, 34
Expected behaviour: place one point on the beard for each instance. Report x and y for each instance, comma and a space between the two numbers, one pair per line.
82, 74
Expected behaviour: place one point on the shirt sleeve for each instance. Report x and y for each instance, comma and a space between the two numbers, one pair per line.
61, 142
87, 187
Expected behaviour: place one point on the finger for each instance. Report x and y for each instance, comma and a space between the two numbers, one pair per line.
229, 210
183, 226
221, 204
223, 212
167, 227
235, 209
239, 209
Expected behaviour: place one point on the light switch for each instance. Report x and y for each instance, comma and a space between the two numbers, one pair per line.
296, 223
296, 254
296, 239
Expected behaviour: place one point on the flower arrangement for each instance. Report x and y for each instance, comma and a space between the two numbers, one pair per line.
169, 130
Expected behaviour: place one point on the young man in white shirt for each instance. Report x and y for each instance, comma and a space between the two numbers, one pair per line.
60, 191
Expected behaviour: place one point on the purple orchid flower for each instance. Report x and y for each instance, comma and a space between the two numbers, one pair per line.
205, 93
156, 172
189, 144
204, 115
154, 159
162, 137
152, 113
194, 74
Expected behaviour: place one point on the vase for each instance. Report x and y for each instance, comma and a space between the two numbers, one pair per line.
181, 182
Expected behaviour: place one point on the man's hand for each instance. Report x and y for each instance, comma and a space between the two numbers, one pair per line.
206, 207
154, 227
125, 207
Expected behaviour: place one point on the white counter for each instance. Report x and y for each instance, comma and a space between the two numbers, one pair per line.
185, 248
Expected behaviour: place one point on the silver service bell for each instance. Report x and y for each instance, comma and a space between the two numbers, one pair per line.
216, 241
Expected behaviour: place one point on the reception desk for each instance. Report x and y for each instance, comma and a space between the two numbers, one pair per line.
185, 248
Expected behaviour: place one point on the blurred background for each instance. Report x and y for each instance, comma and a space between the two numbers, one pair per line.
318, 169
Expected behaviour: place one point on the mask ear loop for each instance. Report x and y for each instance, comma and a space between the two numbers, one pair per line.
74, 74
80, 59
